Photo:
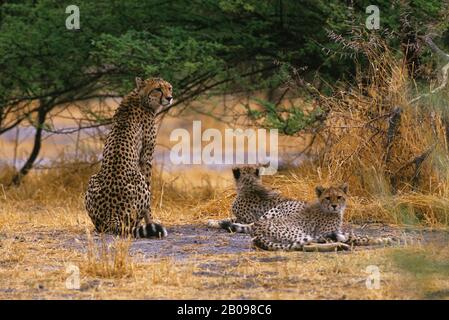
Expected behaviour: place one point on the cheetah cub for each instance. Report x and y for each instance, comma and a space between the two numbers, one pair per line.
317, 227
254, 201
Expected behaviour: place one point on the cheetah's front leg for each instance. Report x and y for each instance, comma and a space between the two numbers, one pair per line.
151, 228
146, 169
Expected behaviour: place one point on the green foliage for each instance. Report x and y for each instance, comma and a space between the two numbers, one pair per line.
288, 121
200, 45
151, 54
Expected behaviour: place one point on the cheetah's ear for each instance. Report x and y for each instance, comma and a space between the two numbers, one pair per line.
319, 191
236, 173
344, 187
139, 82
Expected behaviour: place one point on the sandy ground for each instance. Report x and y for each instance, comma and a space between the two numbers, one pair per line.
196, 262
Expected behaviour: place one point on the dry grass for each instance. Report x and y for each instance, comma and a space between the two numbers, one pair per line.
38, 237
398, 170
280, 276
108, 260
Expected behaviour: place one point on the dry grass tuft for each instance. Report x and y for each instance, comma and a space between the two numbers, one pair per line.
108, 259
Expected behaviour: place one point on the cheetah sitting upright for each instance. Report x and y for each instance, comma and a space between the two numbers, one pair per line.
254, 201
313, 227
118, 196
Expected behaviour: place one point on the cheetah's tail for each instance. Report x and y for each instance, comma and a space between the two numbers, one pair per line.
150, 230
230, 226
266, 244
263, 243
357, 240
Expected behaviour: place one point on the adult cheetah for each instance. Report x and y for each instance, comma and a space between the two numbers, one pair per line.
118, 196
254, 201
316, 227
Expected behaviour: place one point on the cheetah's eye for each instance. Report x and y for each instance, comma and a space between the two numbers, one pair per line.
328, 198
339, 197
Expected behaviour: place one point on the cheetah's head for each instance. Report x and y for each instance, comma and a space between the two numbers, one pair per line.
246, 175
332, 199
155, 93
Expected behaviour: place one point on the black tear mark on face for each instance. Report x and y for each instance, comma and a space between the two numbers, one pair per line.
159, 90
156, 89
236, 173
257, 172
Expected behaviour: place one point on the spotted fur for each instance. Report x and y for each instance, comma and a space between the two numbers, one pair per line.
254, 202
359, 240
318, 221
317, 227
118, 196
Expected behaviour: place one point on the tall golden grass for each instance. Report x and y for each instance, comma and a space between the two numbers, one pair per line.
393, 152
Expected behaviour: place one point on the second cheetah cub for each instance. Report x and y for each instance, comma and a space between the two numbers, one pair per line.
254, 201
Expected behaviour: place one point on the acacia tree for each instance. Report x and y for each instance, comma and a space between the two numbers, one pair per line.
200, 46
43, 65
405, 26
46, 66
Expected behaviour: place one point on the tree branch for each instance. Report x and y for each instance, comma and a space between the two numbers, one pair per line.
41, 116
444, 69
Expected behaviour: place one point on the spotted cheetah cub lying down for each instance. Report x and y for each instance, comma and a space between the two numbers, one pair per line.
316, 227
254, 201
